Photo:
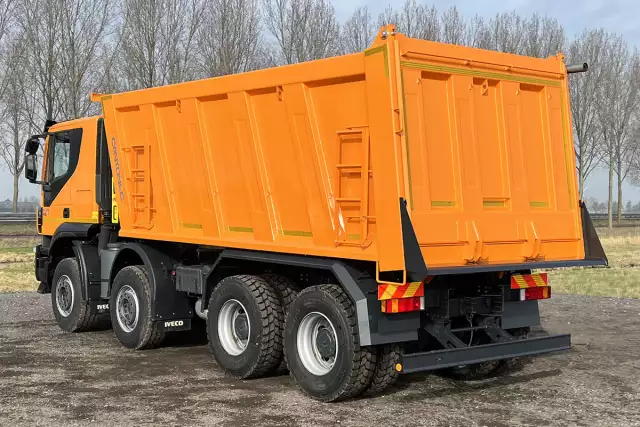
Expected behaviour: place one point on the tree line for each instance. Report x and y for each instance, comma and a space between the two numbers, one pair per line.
53, 53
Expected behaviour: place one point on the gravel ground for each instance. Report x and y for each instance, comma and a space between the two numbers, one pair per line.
48, 377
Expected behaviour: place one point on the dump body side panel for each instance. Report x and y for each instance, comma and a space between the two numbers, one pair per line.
278, 160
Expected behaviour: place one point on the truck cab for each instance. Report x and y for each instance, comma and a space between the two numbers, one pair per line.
72, 206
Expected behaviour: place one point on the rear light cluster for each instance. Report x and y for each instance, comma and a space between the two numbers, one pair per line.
402, 305
535, 293
531, 286
397, 298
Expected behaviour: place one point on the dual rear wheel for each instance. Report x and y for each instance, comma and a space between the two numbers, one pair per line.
253, 331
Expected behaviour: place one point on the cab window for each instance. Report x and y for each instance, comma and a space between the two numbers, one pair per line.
61, 155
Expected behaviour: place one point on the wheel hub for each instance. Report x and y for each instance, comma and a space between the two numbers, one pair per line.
128, 308
317, 343
325, 343
241, 326
234, 328
64, 295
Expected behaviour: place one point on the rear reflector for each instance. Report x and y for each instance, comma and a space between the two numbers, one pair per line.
387, 291
523, 281
402, 305
541, 292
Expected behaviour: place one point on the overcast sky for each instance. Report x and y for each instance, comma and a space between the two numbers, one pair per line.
619, 16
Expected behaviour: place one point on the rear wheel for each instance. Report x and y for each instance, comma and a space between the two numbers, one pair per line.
479, 371
131, 301
71, 311
244, 326
287, 291
386, 374
321, 345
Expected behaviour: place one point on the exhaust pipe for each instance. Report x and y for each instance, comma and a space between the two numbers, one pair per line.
201, 313
577, 68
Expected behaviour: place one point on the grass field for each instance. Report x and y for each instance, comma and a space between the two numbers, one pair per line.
621, 279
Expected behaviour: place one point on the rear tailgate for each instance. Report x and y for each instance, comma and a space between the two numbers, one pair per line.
490, 154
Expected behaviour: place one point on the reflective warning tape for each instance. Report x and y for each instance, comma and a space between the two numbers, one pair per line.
393, 290
523, 281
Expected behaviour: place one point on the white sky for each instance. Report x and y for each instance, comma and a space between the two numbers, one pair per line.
619, 16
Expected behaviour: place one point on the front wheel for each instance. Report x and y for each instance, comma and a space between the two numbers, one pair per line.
131, 309
321, 345
72, 312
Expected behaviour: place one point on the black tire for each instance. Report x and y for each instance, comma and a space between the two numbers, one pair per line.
353, 367
475, 372
514, 364
385, 374
287, 291
262, 310
480, 371
80, 317
144, 333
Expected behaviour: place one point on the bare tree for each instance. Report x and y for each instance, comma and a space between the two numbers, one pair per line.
478, 34
158, 41
454, 27
16, 116
304, 29
40, 24
358, 31
413, 20
84, 25
229, 38
543, 37
584, 90
619, 101
507, 32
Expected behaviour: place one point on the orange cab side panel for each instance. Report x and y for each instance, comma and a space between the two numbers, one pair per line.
77, 195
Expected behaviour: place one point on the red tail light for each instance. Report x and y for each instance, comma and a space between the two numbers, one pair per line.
402, 305
542, 292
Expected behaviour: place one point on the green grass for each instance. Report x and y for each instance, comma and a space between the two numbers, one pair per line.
18, 229
17, 276
621, 279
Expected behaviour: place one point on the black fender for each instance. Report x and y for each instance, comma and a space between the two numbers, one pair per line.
74, 231
168, 303
89, 262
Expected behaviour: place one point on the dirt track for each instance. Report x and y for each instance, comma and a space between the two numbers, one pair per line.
51, 378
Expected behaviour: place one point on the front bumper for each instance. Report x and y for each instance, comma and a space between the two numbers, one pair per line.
439, 359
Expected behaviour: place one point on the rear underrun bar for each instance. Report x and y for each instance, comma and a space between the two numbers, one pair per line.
432, 360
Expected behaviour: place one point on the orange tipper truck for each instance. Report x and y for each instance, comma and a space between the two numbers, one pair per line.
348, 219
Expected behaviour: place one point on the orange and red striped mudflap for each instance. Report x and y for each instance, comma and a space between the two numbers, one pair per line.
524, 281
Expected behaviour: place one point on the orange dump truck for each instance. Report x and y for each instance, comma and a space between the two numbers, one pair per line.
367, 215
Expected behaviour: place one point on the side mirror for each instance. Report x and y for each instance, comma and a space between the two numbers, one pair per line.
31, 168
32, 144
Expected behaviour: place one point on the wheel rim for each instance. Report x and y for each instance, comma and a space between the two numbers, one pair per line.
234, 328
127, 308
64, 295
317, 343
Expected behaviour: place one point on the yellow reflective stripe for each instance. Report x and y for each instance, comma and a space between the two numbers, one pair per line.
538, 279
389, 291
520, 281
412, 289
394, 305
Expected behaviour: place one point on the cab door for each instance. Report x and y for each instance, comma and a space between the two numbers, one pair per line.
69, 192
